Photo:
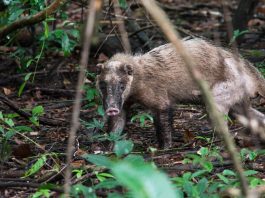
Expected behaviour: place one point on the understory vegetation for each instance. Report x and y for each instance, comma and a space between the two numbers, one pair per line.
39, 70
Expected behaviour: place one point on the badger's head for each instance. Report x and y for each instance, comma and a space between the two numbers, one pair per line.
114, 81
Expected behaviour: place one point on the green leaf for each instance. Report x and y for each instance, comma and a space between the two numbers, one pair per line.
78, 172
199, 173
187, 176
9, 134
21, 88
115, 195
207, 165
254, 182
134, 158
80, 189
58, 33
38, 110
15, 14
229, 173
143, 180
107, 184
188, 188
23, 128
46, 29
29, 63
123, 4
252, 155
41, 193
36, 166
75, 33
179, 193
203, 151
99, 160
2, 129
100, 110
123, 147
26, 78
103, 176
250, 172
9, 122
34, 120
202, 185
66, 44
90, 94
223, 178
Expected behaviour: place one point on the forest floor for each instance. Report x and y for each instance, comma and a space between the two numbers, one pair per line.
54, 89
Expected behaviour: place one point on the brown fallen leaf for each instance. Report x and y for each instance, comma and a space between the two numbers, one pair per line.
188, 136
78, 163
22, 151
7, 91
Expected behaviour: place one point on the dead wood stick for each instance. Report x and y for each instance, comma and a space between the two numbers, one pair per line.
27, 115
123, 32
11, 173
55, 91
6, 184
12, 184
217, 120
190, 167
95, 6
40, 16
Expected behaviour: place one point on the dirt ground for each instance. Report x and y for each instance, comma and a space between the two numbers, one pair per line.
54, 89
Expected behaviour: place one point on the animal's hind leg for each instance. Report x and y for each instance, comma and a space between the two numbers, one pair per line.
244, 109
224, 96
164, 127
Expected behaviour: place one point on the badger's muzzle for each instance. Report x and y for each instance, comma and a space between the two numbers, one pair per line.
112, 111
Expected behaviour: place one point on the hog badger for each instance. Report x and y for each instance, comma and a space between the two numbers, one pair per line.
159, 79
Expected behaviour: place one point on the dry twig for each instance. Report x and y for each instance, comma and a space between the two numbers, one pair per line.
40, 16
95, 6
124, 34
216, 118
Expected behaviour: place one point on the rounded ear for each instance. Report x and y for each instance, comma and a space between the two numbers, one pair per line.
128, 69
99, 67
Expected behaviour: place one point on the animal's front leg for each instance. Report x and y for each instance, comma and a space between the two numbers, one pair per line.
117, 123
164, 128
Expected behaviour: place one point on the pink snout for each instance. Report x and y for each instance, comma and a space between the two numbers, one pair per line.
112, 111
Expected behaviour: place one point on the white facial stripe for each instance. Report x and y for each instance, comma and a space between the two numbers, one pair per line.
112, 77
113, 65
126, 92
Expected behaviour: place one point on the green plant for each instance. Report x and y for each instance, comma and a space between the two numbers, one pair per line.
247, 154
78, 172
142, 179
202, 158
41, 193
201, 183
236, 34
7, 130
143, 117
95, 123
35, 114
123, 4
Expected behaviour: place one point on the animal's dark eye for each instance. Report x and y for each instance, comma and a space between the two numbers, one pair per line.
102, 85
122, 86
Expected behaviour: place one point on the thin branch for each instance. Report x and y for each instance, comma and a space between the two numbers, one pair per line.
217, 120
26, 21
95, 5
123, 32
42, 120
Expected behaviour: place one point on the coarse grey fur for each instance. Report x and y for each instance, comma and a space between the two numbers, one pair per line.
159, 79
